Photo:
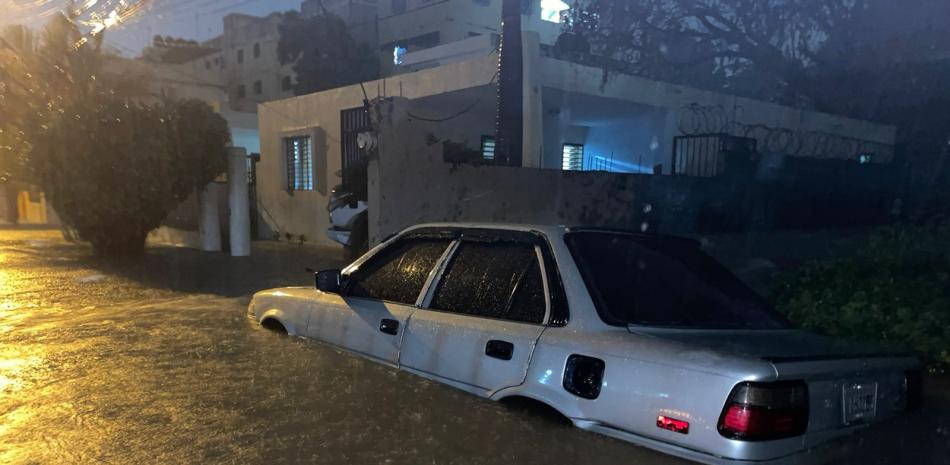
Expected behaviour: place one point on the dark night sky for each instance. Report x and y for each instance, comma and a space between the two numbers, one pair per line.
191, 19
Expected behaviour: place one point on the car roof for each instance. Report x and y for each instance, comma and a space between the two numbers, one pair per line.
556, 230
548, 230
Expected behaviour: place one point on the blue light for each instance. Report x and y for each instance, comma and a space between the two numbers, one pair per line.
398, 52
621, 166
551, 10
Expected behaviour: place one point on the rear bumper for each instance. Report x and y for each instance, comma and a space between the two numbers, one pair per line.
849, 448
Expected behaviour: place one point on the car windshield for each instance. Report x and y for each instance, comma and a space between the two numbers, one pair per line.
656, 281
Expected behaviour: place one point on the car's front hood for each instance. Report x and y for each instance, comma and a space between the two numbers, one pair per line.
771, 345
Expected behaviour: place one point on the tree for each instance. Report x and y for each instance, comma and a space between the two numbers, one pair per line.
37, 79
110, 164
323, 53
787, 51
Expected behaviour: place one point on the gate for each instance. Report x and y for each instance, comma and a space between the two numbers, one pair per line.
251, 160
353, 121
708, 155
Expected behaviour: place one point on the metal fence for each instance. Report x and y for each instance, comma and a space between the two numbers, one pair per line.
708, 155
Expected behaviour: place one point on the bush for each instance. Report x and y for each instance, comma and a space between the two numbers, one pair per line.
114, 169
895, 292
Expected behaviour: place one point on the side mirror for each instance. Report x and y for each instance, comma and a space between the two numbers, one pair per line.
328, 281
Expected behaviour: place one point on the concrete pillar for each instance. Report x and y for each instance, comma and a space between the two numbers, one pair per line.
532, 143
240, 216
394, 131
209, 228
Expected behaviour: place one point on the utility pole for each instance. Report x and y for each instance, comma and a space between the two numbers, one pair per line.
509, 120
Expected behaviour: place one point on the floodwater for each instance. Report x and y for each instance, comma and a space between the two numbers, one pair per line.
158, 362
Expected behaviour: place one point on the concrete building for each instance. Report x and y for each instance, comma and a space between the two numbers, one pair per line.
359, 15
575, 118
247, 62
456, 29
405, 31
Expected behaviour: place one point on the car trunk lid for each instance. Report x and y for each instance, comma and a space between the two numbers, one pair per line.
848, 384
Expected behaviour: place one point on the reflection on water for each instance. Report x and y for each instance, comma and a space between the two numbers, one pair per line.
125, 370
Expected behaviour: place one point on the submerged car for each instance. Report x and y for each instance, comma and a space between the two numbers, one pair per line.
640, 337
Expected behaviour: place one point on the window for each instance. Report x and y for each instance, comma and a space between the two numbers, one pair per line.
553, 10
398, 52
240, 56
488, 148
286, 84
258, 87
654, 281
299, 163
495, 280
241, 91
572, 157
398, 272
257, 50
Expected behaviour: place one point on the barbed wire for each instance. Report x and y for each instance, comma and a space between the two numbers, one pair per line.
695, 119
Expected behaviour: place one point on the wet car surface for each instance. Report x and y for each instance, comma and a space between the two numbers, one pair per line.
158, 362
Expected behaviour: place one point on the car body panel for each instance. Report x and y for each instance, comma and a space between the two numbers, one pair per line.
453, 347
290, 306
682, 374
355, 323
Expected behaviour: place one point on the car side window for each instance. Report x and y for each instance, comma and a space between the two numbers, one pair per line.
398, 272
495, 280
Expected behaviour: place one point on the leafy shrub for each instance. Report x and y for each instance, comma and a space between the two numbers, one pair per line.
895, 292
114, 169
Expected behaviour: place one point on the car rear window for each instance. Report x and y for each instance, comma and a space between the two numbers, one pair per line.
655, 281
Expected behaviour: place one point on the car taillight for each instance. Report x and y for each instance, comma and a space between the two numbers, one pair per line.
765, 411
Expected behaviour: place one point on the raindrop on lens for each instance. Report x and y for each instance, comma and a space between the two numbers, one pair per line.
647, 208
644, 226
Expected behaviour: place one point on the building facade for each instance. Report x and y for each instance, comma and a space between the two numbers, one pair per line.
247, 61
574, 120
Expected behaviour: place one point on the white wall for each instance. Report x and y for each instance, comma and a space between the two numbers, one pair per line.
305, 212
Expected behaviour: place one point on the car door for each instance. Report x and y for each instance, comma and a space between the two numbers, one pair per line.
377, 298
484, 316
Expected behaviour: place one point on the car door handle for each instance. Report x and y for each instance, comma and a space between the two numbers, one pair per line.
389, 326
502, 350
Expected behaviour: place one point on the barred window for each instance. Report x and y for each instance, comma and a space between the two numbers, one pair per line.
572, 157
488, 148
299, 163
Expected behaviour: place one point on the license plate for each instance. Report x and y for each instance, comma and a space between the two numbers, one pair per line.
860, 402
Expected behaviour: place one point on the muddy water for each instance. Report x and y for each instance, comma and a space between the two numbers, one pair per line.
159, 363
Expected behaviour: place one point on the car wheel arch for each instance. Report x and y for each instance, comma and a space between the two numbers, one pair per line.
275, 317
522, 397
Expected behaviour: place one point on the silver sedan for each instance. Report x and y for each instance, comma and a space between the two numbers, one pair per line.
640, 337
